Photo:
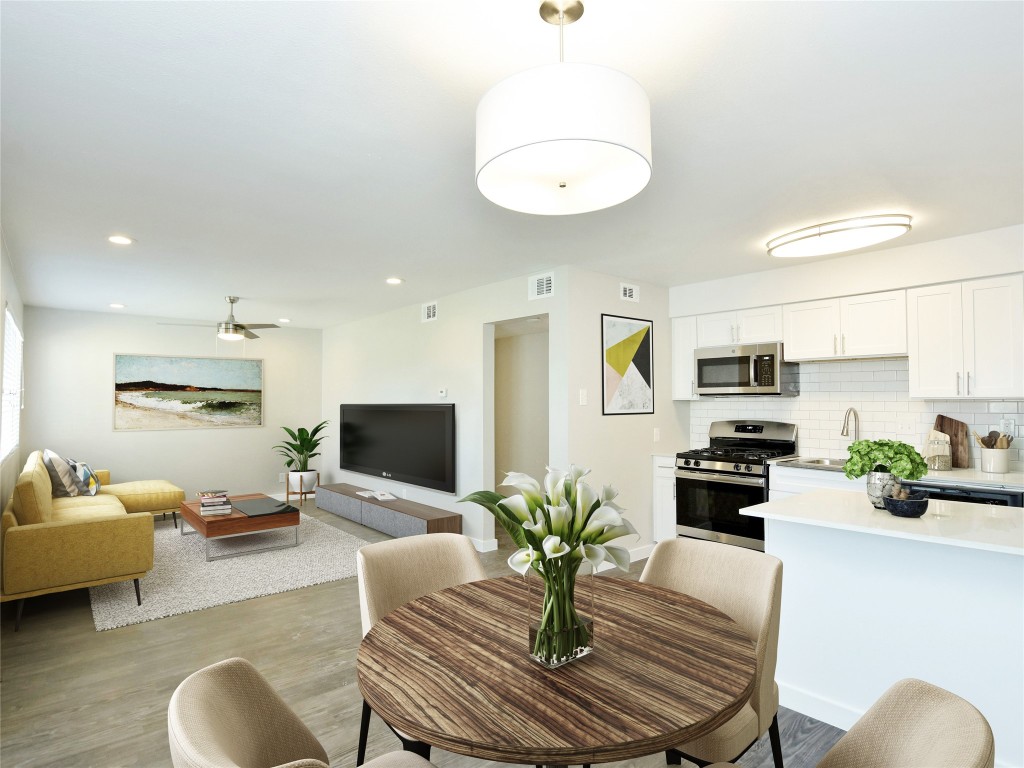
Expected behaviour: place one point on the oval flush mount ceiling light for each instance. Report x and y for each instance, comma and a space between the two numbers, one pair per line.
840, 236
563, 138
393, 281
120, 240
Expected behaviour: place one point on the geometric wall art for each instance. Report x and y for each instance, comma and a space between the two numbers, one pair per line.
627, 384
157, 392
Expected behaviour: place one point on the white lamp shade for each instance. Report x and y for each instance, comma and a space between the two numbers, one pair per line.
840, 236
562, 139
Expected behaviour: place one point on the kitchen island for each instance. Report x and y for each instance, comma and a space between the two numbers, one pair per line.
869, 598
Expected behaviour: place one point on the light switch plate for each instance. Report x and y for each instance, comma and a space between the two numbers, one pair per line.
583, 397
1007, 426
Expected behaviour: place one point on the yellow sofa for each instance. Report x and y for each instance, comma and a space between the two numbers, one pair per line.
55, 544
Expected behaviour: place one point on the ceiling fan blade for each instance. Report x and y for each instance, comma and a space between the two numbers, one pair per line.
194, 325
248, 334
258, 325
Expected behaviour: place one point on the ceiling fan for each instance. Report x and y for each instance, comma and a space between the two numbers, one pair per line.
231, 329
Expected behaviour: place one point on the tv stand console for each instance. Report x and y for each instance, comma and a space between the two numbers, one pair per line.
397, 517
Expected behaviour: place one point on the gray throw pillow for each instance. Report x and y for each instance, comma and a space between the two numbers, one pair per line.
62, 477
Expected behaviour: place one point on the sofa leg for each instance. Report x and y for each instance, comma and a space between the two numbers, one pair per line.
18, 608
138, 592
174, 517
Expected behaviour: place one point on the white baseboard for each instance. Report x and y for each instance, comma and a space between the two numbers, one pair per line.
817, 706
484, 545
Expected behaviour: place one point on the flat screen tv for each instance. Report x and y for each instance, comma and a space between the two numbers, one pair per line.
410, 443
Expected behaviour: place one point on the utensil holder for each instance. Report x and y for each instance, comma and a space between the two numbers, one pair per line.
995, 460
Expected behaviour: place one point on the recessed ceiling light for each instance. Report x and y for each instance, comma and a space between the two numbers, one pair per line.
117, 306
120, 240
840, 236
394, 281
284, 320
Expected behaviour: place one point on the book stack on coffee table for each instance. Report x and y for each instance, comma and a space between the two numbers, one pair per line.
213, 503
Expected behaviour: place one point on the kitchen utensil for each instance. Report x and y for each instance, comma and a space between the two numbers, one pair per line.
978, 439
1001, 442
1009, 440
993, 436
957, 432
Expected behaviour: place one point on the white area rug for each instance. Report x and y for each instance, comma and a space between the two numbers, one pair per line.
182, 581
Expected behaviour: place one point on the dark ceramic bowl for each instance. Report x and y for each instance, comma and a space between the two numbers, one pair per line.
913, 506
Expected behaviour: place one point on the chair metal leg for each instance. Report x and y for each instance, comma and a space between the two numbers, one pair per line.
773, 734
364, 729
174, 517
673, 757
19, 606
138, 592
416, 747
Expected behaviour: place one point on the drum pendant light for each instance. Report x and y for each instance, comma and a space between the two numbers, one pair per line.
563, 138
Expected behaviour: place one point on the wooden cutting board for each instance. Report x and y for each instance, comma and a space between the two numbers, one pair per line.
958, 433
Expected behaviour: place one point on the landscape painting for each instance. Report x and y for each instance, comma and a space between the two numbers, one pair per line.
154, 392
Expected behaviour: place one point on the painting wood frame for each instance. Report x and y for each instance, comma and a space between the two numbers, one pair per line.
627, 365
156, 392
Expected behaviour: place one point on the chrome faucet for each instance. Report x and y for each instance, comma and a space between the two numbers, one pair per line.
856, 424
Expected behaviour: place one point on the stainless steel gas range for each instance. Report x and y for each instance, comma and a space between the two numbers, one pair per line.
714, 483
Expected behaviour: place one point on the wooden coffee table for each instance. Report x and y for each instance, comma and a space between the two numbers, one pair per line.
236, 524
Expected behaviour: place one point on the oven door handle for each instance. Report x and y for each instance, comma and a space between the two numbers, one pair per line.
716, 476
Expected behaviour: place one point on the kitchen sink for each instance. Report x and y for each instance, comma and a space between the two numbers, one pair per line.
836, 465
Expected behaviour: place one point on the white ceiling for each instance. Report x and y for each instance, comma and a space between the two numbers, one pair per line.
297, 153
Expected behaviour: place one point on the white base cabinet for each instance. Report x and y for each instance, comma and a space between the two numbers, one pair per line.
663, 525
967, 339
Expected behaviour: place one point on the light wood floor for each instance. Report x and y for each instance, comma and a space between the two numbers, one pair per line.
71, 696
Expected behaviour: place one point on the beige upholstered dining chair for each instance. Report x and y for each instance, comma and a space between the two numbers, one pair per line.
747, 586
229, 715
914, 725
393, 573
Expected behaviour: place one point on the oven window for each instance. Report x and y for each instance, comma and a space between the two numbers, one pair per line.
724, 372
714, 506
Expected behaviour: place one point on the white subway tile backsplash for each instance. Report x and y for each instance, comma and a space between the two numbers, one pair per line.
878, 389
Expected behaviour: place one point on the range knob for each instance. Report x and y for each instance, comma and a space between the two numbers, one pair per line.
736, 467
696, 463
749, 468
686, 462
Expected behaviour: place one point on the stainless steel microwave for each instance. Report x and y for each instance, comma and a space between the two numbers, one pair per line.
745, 369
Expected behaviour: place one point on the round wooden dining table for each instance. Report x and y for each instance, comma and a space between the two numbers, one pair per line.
452, 669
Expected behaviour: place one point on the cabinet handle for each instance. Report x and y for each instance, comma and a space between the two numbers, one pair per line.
844, 343
693, 386
732, 332
968, 383
958, 382
835, 344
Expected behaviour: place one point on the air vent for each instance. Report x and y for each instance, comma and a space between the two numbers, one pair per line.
629, 292
428, 312
541, 286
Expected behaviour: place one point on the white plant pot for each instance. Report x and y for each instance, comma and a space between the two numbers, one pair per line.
302, 482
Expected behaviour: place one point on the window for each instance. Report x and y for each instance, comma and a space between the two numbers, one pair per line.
10, 418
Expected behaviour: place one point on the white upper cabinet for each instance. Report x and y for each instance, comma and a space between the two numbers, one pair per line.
684, 341
994, 337
967, 339
871, 325
746, 326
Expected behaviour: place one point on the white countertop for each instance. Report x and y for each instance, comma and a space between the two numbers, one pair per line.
1009, 480
952, 523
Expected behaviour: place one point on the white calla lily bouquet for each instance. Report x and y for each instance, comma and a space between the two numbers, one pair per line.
557, 528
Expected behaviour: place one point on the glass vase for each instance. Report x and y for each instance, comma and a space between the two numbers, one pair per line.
879, 485
558, 633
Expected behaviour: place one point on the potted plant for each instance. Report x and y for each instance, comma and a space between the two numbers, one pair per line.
297, 453
885, 462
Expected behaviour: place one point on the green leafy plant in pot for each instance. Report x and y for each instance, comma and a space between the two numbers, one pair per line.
297, 452
885, 462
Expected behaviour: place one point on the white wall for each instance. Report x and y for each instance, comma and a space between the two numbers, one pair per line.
994, 252
69, 375
395, 358
9, 297
521, 405
618, 448
879, 390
